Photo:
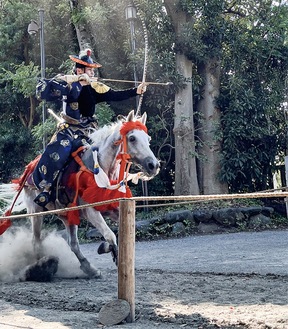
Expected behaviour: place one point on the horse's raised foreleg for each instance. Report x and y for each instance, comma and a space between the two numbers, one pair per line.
73, 242
97, 220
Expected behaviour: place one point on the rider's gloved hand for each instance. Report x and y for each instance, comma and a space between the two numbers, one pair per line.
141, 88
84, 78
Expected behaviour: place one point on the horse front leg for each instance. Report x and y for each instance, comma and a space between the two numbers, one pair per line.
110, 244
36, 223
73, 242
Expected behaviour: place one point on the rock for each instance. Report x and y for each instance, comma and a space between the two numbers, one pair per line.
209, 228
178, 228
203, 216
259, 221
252, 211
178, 216
157, 220
228, 217
114, 312
143, 226
267, 211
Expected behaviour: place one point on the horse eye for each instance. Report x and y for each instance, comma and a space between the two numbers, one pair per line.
132, 138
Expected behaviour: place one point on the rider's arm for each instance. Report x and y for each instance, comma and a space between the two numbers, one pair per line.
51, 89
103, 93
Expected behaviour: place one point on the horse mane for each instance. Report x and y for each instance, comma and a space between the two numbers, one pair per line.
104, 132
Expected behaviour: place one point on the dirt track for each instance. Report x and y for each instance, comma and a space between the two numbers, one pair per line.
164, 298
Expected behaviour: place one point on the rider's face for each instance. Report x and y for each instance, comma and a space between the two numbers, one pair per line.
89, 71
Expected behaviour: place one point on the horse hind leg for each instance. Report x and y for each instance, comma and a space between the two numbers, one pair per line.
73, 242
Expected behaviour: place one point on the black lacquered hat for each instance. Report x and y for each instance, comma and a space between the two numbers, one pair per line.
84, 59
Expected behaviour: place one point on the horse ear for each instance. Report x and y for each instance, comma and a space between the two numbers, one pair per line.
130, 116
144, 118
120, 118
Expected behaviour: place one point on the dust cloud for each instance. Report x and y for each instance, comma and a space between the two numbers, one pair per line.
17, 253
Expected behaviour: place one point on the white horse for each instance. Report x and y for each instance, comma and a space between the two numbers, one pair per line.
102, 162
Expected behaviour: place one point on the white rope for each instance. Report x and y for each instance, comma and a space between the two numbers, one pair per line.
161, 198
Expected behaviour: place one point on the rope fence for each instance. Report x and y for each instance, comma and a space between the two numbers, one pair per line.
181, 198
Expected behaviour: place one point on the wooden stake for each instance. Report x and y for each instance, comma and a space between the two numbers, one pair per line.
126, 255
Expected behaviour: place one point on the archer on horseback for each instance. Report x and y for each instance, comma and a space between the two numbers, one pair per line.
79, 95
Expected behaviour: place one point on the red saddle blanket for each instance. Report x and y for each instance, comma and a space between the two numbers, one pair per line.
84, 186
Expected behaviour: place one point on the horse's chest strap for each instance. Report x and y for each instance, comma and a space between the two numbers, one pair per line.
77, 158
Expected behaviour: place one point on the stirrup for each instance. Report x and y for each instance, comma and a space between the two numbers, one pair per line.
42, 199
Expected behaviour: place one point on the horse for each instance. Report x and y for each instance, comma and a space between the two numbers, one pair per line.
100, 171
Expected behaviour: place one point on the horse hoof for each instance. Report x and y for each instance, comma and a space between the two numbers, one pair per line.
104, 248
43, 270
92, 273
97, 275
114, 253
89, 270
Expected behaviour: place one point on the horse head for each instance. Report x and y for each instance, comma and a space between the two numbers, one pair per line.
134, 134
126, 140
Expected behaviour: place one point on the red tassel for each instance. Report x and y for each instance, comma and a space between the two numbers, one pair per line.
73, 216
4, 225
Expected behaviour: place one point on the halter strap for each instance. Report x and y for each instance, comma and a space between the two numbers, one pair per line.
123, 156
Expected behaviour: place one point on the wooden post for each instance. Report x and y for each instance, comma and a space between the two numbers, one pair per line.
126, 255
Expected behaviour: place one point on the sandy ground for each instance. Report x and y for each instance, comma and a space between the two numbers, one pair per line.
164, 298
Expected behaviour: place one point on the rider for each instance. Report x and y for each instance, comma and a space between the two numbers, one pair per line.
80, 93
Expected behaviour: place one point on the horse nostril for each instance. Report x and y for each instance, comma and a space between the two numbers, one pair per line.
152, 166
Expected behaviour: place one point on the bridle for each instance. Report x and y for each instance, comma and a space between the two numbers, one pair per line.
123, 159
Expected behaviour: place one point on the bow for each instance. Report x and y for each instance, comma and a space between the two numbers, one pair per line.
138, 112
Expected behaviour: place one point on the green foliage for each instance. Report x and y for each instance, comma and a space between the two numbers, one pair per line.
249, 39
43, 131
22, 78
14, 149
253, 88
104, 114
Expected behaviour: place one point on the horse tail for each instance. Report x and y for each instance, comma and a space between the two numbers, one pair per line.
7, 193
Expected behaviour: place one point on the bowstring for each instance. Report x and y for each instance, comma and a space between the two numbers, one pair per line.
136, 4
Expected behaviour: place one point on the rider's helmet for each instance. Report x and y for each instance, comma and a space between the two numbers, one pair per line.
84, 59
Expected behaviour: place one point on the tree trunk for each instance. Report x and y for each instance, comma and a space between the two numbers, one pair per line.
209, 165
82, 34
186, 181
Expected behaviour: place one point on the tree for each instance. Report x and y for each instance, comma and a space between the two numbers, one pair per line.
185, 162
213, 36
80, 22
221, 122
19, 71
252, 93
